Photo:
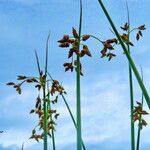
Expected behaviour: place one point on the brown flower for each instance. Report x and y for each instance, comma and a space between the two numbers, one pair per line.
85, 37
85, 51
68, 66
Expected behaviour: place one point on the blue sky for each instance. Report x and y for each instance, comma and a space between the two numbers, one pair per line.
24, 26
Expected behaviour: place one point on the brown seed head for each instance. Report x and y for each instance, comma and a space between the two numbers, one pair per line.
85, 37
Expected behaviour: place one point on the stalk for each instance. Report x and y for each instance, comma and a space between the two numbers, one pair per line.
131, 107
138, 137
78, 91
131, 87
37, 61
131, 62
49, 103
139, 129
44, 92
46, 59
44, 103
45, 117
49, 107
73, 120
44, 97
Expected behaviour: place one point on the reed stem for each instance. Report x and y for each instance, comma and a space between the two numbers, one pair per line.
49, 108
131, 87
139, 125
73, 120
131, 109
44, 102
45, 117
78, 90
44, 96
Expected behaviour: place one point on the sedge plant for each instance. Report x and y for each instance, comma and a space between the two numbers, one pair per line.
46, 115
52, 91
109, 45
59, 88
75, 42
133, 68
48, 87
130, 60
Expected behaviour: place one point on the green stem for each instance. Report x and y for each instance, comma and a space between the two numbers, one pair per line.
139, 125
51, 119
139, 130
96, 38
131, 87
37, 61
138, 138
45, 118
79, 134
132, 65
78, 107
44, 96
73, 120
131, 109
46, 57
44, 92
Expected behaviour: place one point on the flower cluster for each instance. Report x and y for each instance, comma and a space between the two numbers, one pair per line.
54, 90
139, 33
125, 36
138, 113
24, 79
108, 46
56, 87
73, 43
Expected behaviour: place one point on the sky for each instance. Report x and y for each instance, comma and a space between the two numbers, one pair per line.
24, 26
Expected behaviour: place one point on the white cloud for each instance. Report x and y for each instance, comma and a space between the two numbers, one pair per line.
16, 137
105, 114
